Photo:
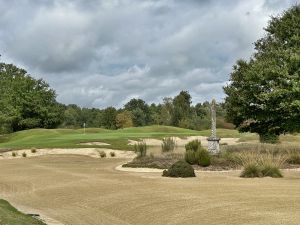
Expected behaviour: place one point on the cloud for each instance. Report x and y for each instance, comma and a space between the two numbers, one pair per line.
102, 53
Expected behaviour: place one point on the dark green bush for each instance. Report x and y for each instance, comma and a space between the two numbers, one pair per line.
33, 150
24, 154
203, 157
14, 154
193, 145
141, 149
112, 154
190, 157
180, 169
168, 144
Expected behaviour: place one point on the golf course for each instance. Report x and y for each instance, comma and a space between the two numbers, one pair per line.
79, 187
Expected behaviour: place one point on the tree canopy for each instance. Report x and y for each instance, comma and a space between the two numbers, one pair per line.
263, 95
26, 102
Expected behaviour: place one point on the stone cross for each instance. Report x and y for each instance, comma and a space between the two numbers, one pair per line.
213, 140
213, 119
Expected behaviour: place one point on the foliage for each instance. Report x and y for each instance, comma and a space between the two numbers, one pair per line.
124, 119
102, 154
193, 145
203, 157
168, 144
180, 169
33, 150
261, 164
14, 154
24, 154
190, 157
263, 94
25, 102
141, 149
10, 215
109, 118
112, 154
140, 112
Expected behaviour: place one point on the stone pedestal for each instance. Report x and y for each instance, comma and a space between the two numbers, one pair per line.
213, 145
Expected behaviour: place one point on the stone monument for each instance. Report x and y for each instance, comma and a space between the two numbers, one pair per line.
213, 140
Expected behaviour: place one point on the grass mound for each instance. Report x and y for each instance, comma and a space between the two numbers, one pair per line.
11, 216
180, 169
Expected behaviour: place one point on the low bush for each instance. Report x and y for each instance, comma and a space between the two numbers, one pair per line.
102, 154
141, 149
190, 157
33, 150
203, 157
180, 169
193, 145
14, 154
262, 164
168, 144
24, 154
112, 154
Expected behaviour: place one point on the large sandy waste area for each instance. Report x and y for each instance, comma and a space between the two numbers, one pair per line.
81, 190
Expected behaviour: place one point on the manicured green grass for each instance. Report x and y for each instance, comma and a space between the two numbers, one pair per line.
118, 139
70, 138
11, 216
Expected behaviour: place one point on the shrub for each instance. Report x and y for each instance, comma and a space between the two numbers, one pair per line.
112, 154
258, 164
141, 149
294, 159
251, 170
193, 145
102, 154
24, 154
33, 150
180, 169
14, 154
203, 157
190, 157
168, 144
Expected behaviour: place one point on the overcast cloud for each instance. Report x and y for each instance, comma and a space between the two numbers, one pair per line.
103, 53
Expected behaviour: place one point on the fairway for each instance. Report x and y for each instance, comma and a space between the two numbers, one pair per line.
86, 191
118, 139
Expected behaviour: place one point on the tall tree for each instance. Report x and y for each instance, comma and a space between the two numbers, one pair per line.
124, 119
181, 109
26, 102
140, 112
264, 93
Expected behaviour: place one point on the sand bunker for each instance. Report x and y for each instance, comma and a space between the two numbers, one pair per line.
92, 152
184, 141
94, 143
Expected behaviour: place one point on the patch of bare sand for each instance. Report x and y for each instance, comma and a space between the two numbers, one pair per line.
184, 141
93, 143
92, 152
81, 190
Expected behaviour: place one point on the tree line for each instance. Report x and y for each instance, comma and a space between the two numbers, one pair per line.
28, 103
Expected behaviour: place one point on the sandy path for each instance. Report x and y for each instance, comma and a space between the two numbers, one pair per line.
81, 190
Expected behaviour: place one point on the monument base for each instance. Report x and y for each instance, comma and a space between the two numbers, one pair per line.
213, 145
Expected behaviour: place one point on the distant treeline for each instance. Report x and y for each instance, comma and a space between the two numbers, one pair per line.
27, 103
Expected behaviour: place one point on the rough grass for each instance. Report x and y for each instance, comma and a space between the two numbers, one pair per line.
11, 216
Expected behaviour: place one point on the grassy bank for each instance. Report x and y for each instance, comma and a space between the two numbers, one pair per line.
11, 216
118, 139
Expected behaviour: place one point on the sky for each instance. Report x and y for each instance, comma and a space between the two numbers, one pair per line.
100, 53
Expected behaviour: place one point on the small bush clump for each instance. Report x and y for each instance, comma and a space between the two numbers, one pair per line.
102, 154
180, 169
24, 154
193, 145
261, 164
141, 149
168, 144
112, 154
203, 157
14, 154
190, 157
33, 150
